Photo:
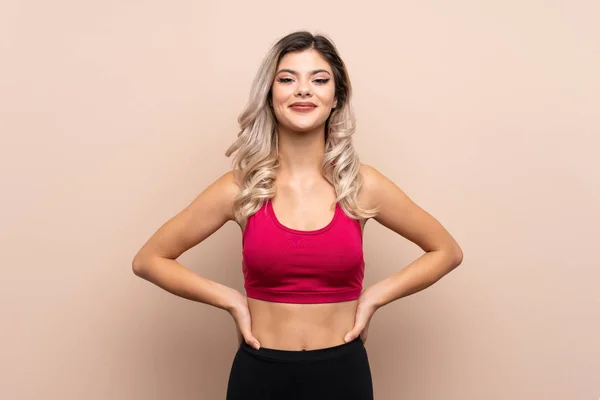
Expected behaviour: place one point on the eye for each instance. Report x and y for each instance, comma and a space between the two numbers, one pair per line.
284, 80
322, 81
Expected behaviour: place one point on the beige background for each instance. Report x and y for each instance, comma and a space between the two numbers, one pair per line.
115, 115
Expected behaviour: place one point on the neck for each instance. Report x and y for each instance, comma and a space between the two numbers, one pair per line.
301, 153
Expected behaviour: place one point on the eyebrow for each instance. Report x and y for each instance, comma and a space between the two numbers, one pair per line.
291, 71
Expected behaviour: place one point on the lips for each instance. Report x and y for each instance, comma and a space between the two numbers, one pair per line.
303, 106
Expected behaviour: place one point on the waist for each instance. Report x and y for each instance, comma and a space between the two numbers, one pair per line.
288, 326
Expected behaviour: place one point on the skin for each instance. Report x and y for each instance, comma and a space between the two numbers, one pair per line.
304, 201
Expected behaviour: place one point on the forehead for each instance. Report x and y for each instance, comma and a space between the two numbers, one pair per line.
304, 61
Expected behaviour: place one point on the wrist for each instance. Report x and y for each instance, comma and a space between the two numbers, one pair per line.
224, 297
232, 300
371, 298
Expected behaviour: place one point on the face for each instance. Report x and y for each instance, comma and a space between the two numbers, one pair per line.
303, 91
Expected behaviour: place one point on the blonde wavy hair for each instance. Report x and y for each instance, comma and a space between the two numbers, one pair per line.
257, 155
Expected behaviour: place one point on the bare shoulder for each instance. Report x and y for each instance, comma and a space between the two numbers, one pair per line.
218, 196
230, 185
203, 216
372, 180
398, 212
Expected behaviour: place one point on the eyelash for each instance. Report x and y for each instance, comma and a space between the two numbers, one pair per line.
320, 81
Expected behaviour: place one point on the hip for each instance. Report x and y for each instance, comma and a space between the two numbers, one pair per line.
341, 371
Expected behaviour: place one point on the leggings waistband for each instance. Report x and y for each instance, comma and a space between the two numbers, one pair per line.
303, 355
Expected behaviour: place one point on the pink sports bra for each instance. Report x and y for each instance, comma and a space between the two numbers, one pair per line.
286, 265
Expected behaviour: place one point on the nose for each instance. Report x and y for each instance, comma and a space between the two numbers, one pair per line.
303, 89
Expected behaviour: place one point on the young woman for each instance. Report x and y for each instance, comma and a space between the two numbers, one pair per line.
301, 198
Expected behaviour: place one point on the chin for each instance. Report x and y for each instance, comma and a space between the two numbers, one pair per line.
303, 126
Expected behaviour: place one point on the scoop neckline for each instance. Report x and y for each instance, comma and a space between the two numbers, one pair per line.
273, 216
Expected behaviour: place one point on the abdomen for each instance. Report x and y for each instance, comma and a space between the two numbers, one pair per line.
289, 326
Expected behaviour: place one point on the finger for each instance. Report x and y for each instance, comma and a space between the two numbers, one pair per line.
353, 334
250, 339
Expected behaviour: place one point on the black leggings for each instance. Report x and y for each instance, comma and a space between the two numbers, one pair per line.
339, 372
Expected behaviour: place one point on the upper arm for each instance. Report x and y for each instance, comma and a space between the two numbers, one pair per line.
403, 216
210, 210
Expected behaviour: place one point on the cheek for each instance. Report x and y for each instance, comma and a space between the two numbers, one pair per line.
327, 96
281, 95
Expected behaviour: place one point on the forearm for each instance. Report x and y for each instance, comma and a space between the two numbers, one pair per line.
181, 281
418, 275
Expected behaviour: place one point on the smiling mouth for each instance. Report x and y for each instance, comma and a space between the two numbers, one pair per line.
303, 108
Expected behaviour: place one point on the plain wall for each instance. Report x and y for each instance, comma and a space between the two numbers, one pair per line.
114, 115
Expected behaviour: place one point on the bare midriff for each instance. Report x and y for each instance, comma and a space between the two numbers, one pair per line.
287, 326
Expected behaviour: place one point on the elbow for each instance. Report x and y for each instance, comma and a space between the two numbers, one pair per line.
453, 257
457, 256
139, 266
143, 265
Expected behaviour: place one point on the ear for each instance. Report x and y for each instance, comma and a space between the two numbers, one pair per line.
334, 103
